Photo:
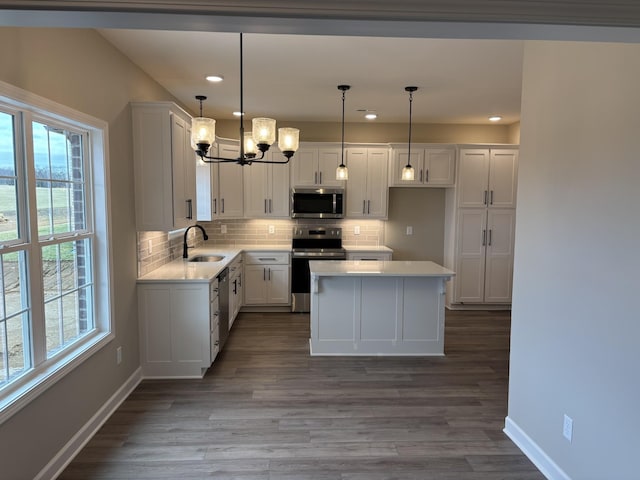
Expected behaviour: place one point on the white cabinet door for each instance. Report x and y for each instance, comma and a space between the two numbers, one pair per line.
470, 268
304, 167
164, 167
400, 159
227, 184
473, 178
377, 184
328, 161
439, 166
279, 284
255, 286
503, 182
499, 255
256, 202
367, 187
278, 189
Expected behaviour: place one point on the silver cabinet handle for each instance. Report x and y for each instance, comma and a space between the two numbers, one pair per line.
491, 198
222, 201
485, 198
484, 237
189, 209
490, 231
215, 205
364, 207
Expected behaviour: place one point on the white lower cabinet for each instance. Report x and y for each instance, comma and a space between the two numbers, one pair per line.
178, 328
267, 278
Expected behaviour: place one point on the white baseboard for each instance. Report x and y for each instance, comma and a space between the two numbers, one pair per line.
82, 437
531, 449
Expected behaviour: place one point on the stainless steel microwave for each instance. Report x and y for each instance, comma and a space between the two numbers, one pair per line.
317, 202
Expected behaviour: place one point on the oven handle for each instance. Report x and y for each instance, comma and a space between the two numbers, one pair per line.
317, 256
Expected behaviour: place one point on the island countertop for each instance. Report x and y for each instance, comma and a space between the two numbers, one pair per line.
389, 268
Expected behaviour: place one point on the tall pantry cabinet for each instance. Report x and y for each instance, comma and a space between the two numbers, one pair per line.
480, 227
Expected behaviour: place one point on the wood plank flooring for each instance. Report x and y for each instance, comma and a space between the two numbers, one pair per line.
266, 410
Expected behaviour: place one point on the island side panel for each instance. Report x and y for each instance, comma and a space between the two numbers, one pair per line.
423, 315
335, 303
379, 325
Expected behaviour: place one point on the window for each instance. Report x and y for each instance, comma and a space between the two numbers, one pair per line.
54, 262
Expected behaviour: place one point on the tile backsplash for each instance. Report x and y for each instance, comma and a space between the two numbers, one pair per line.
158, 248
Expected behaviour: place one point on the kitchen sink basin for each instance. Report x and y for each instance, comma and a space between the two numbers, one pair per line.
206, 258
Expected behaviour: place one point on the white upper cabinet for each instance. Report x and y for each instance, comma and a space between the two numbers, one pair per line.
315, 167
367, 187
164, 167
488, 178
434, 166
266, 188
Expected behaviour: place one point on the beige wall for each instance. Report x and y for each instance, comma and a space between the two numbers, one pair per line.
575, 328
372, 132
79, 69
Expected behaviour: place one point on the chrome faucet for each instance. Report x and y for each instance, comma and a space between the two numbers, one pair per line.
185, 247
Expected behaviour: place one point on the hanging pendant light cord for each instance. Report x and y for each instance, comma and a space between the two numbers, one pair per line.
241, 101
342, 151
410, 116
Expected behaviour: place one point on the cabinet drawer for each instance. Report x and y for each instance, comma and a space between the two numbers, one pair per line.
266, 258
235, 266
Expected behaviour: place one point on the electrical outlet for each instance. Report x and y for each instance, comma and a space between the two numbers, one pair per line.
567, 427
356, 230
118, 355
223, 229
272, 229
409, 230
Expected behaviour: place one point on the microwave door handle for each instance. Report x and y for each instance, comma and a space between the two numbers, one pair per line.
335, 203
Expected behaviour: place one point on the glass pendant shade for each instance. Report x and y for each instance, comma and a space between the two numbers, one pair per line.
249, 145
264, 130
342, 173
288, 139
203, 131
408, 173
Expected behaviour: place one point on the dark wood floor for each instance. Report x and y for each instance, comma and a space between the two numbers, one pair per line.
267, 410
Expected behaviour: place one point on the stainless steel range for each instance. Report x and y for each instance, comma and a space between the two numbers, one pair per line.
311, 243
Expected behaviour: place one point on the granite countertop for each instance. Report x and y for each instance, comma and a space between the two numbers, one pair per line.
356, 268
184, 270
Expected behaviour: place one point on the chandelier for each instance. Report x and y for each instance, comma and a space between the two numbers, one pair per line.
342, 173
262, 136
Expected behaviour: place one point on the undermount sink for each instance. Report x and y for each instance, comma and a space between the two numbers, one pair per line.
206, 258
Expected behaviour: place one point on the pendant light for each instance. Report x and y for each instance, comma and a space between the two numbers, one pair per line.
341, 172
262, 137
408, 173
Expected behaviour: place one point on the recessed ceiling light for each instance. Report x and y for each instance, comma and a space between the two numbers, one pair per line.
237, 114
215, 78
495, 118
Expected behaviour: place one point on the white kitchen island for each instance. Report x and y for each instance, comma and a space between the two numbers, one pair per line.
377, 308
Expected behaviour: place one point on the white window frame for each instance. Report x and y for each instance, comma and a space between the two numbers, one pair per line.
46, 372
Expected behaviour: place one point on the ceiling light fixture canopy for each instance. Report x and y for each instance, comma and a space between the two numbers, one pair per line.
263, 135
341, 172
408, 172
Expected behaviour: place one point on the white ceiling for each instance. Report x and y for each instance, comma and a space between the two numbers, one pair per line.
295, 77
